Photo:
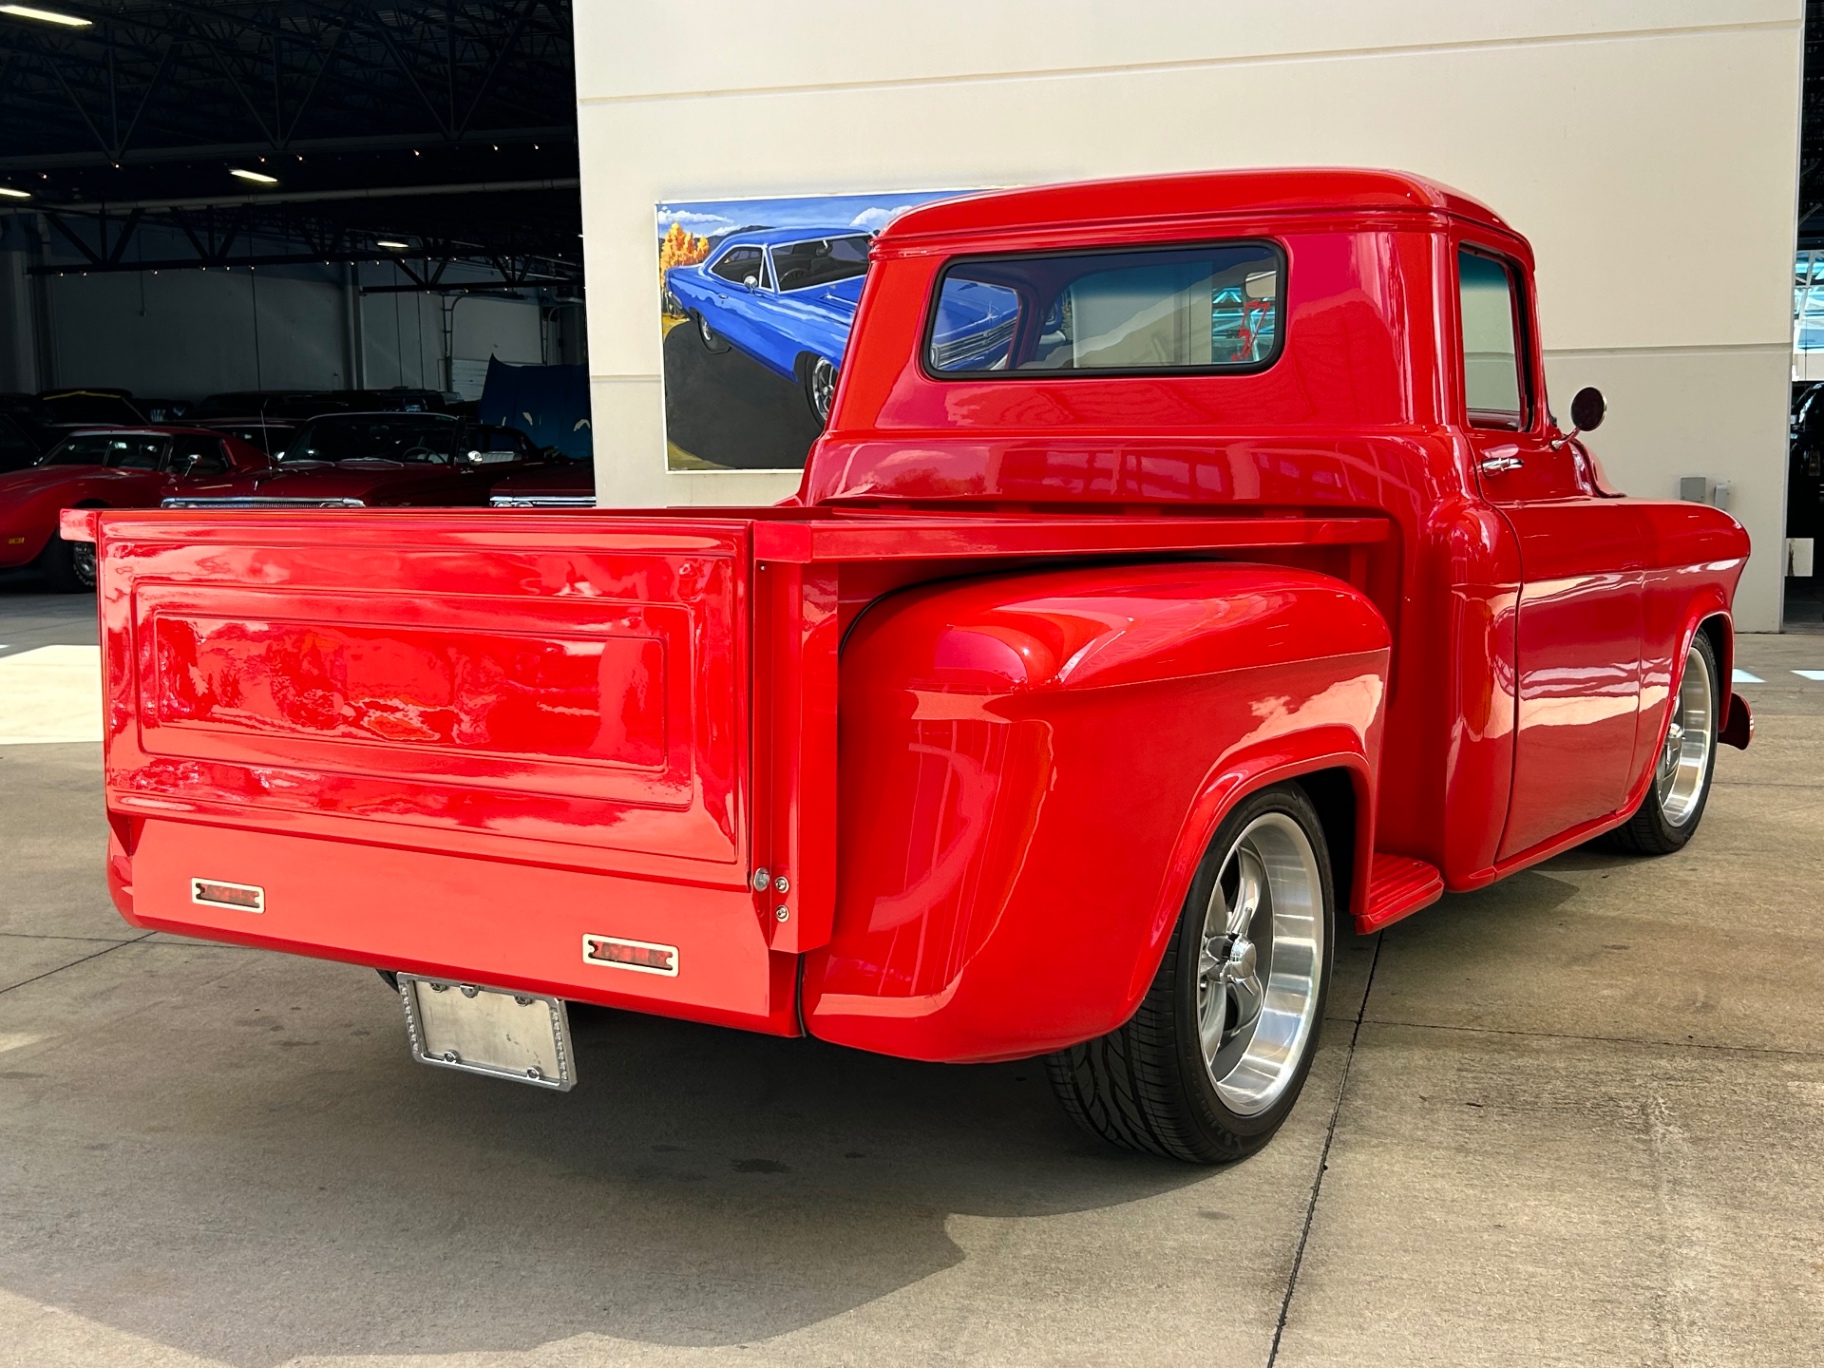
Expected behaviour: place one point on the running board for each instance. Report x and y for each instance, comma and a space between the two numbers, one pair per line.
1398, 887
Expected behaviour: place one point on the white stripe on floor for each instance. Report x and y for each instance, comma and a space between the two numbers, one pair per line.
1743, 677
50, 694
1815, 676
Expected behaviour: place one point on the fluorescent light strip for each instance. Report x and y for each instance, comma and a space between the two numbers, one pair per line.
393, 246
11, 193
47, 16
258, 177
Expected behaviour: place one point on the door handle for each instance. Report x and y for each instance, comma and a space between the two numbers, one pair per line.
1494, 465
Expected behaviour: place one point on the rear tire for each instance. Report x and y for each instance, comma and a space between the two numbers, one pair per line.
1675, 800
1209, 1066
68, 567
819, 387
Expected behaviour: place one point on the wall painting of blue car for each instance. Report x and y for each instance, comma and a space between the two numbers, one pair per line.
756, 300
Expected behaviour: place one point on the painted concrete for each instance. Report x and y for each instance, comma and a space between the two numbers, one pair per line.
1571, 1119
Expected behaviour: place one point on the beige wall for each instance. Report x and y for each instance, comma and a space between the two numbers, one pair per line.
1648, 150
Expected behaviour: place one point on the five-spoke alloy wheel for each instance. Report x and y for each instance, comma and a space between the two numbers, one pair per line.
1212, 1061
1674, 802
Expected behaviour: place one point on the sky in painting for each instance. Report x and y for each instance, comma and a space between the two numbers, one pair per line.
869, 213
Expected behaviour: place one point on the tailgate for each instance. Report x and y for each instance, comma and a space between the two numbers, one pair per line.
462, 744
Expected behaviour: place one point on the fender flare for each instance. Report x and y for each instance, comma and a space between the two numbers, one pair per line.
1233, 779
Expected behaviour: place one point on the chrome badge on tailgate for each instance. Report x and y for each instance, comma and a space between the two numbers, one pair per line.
234, 896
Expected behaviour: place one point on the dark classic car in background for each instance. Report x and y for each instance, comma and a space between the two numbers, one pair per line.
48, 417
784, 296
391, 459
106, 468
562, 484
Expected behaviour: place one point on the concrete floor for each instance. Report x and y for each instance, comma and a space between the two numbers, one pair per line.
1574, 1118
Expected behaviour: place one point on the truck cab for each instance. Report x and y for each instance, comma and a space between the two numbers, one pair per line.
1191, 572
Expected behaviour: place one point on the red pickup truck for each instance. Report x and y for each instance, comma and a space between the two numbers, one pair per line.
1191, 573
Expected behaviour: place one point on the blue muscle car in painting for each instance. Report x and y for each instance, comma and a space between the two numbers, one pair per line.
784, 296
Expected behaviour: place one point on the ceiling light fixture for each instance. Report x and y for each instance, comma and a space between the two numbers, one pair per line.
47, 16
11, 193
392, 246
257, 177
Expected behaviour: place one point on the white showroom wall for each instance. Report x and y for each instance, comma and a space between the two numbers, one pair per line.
1648, 150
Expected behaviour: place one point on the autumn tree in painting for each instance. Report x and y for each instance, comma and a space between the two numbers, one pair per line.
678, 248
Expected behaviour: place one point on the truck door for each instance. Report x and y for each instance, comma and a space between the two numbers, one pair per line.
1582, 561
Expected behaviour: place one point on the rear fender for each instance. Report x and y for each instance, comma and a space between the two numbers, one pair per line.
1030, 769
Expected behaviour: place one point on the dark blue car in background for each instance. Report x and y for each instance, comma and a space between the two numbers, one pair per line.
784, 296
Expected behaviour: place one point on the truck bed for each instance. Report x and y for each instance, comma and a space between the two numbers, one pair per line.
463, 743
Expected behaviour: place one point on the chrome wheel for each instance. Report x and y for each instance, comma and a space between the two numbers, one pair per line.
1260, 963
1684, 760
1211, 1062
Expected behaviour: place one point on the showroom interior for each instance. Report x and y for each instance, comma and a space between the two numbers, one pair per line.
463, 269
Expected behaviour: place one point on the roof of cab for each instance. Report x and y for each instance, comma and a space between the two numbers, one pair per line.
1197, 194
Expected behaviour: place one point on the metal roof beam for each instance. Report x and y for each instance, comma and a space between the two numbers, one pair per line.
254, 198
380, 142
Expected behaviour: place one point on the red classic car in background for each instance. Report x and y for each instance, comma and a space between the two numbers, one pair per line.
378, 460
106, 468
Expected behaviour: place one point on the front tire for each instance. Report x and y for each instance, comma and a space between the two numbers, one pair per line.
68, 567
1209, 1066
1674, 804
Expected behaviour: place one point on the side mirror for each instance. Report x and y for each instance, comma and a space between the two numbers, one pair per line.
752, 282
1587, 409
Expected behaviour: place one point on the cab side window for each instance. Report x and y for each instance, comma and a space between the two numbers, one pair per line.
1494, 384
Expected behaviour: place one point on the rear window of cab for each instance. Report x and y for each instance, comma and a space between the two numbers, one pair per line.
1175, 310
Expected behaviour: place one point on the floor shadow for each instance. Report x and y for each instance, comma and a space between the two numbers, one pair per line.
1517, 904
1594, 855
728, 410
699, 1187
23, 579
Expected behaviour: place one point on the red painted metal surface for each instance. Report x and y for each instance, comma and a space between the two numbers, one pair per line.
1005, 887
1083, 615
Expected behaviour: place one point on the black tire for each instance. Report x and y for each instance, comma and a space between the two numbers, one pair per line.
1661, 825
68, 567
1147, 1085
819, 386
708, 336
